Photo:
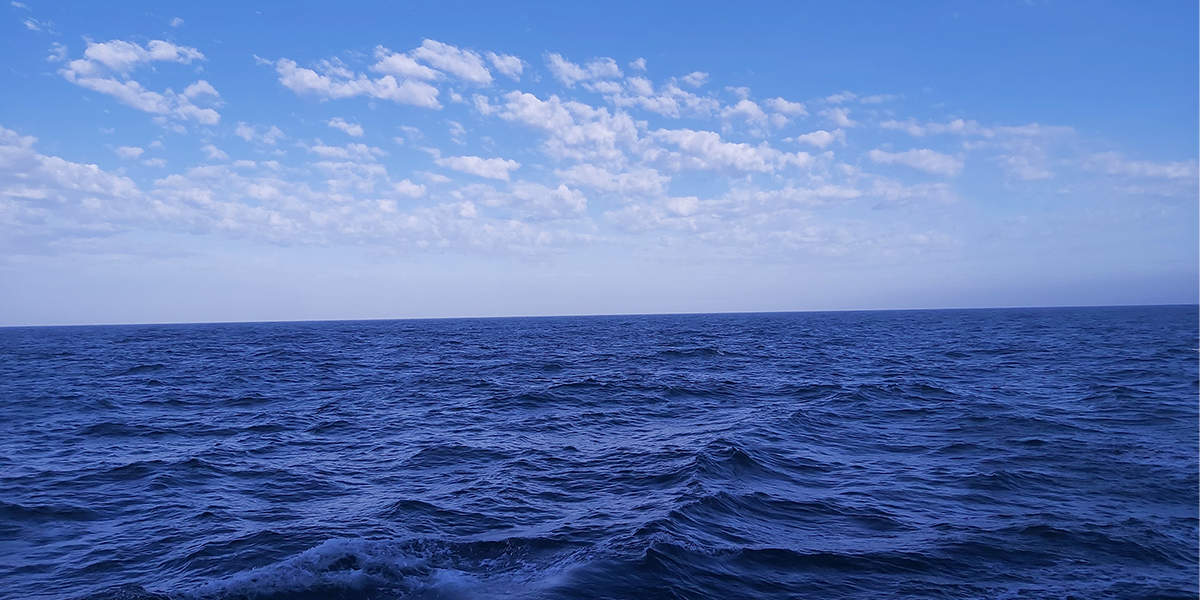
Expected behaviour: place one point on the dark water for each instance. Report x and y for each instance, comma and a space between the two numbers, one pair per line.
1042, 453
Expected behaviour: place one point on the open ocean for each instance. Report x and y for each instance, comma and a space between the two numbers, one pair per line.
1014, 453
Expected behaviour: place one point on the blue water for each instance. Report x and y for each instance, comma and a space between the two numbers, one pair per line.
1018, 453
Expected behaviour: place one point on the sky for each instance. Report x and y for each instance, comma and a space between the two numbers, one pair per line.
252, 161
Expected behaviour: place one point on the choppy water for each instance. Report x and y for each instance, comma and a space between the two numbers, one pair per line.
1041, 453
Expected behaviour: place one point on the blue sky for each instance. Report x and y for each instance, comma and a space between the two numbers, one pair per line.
256, 161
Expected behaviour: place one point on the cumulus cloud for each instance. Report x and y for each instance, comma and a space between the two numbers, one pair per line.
334, 81
214, 153
405, 187
820, 138
839, 116
507, 65
491, 168
401, 65
669, 101
467, 65
129, 152
695, 78
706, 150
570, 73
351, 129
270, 136
638, 65
106, 68
922, 160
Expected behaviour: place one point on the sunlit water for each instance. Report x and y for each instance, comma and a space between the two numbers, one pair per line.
1041, 453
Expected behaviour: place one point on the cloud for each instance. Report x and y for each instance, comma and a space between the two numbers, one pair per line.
705, 150
465, 64
574, 130
214, 153
820, 138
154, 162
491, 168
401, 65
570, 73
176, 22
695, 78
405, 187
250, 133
841, 97
351, 129
784, 107
670, 101
839, 116
507, 65
922, 160
531, 201
1114, 163
877, 99
129, 152
746, 110
106, 66
638, 65
893, 193
335, 82
641, 182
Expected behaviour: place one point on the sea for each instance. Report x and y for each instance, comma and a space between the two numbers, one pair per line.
1006, 453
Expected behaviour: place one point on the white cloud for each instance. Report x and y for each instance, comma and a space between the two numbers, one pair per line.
491, 168
335, 81
58, 53
695, 78
507, 65
532, 201
747, 110
176, 22
250, 133
820, 138
106, 66
575, 130
638, 65
706, 150
1023, 168
670, 101
841, 97
214, 152
922, 160
154, 162
465, 64
360, 152
570, 73
1114, 163
956, 127
839, 116
405, 187
894, 193
877, 99
129, 152
20, 5
784, 107
351, 129
641, 182
401, 65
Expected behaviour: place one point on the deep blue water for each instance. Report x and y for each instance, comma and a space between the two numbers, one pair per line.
1018, 453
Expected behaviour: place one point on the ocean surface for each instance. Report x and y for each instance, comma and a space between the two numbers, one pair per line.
1016, 453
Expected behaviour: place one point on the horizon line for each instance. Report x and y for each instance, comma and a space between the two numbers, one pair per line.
586, 315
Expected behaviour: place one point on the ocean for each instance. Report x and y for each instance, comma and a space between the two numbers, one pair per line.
1007, 453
